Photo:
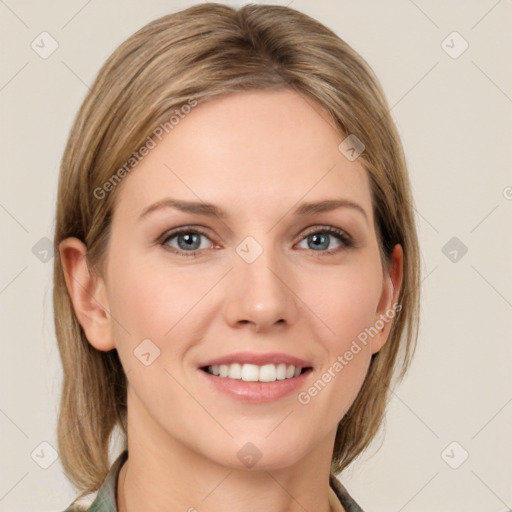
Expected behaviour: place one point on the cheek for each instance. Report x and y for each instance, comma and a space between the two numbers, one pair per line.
346, 301
145, 302
150, 295
346, 306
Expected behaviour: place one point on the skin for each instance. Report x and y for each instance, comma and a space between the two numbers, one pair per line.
256, 154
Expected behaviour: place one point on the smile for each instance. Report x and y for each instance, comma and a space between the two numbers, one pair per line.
255, 373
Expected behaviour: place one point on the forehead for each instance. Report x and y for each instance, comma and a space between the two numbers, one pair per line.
249, 152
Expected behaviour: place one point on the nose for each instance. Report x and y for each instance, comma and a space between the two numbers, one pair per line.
261, 293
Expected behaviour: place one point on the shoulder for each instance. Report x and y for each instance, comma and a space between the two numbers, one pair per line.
349, 504
104, 499
82, 503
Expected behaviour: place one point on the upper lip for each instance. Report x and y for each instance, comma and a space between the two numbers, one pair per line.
258, 359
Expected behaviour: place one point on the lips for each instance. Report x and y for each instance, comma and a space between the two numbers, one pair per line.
256, 377
256, 392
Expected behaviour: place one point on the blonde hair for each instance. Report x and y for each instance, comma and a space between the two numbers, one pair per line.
199, 53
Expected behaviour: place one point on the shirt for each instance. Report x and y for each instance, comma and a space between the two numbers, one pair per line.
104, 500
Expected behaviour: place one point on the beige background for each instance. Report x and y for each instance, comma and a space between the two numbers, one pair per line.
455, 118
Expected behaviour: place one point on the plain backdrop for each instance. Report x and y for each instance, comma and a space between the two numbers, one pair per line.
445, 68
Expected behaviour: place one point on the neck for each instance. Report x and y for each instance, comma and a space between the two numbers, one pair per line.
132, 497
163, 474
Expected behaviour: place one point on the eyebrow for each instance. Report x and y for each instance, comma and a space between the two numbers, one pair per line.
211, 210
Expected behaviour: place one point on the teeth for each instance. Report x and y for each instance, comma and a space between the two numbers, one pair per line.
255, 373
235, 371
250, 373
281, 371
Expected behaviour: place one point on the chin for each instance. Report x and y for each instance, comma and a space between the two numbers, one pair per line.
255, 453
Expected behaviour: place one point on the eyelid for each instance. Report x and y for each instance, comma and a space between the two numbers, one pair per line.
327, 229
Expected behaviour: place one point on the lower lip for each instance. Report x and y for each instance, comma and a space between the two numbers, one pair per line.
256, 392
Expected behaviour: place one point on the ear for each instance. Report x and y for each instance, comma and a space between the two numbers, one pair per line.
88, 294
388, 307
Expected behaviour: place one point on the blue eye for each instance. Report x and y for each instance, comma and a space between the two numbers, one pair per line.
321, 239
189, 241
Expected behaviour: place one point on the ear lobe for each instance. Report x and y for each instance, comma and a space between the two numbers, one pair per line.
88, 294
387, 308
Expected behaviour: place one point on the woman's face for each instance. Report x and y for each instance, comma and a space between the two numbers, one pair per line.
265, 284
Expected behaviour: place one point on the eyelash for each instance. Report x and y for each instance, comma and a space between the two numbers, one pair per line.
346, 241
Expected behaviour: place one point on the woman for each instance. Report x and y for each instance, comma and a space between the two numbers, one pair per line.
237, 272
